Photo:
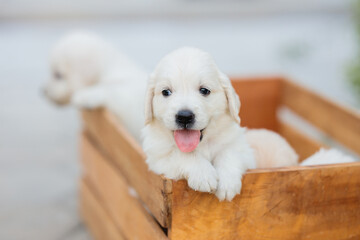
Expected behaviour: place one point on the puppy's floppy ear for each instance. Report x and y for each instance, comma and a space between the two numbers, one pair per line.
149, 95
231, 96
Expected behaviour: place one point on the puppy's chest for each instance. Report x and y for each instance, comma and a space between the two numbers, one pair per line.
210, 149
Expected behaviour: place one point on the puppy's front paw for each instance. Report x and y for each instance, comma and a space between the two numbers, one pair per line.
228, 188
204, 180
88, 99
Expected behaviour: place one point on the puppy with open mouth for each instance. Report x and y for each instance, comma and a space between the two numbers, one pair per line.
192, 126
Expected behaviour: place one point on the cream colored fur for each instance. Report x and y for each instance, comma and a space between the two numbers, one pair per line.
327, 156
271, 150
224, 154
91, 73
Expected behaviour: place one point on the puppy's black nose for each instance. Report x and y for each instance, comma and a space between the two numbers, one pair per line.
185, 118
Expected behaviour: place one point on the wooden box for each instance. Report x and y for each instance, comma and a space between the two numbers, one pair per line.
121, 199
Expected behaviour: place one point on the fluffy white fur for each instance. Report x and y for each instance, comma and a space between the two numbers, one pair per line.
223, 155
91, 73
271, 150
327, 156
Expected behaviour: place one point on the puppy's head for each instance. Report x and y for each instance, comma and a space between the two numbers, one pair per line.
186, 92
76, 62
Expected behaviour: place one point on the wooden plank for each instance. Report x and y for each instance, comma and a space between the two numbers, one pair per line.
260, 98
96, 218
337, 121
303, 145
319, 203
126, 210
123, 150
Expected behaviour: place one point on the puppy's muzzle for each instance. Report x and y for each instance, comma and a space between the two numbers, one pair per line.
185, 118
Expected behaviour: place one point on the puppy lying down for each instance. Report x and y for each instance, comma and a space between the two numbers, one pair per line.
90, 73
192, 127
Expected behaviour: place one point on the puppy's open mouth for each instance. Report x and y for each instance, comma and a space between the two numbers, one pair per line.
187, 140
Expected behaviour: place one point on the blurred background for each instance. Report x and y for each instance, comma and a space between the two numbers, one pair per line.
313, 42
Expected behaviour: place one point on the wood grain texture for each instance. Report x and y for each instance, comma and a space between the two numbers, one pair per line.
95, 216
319, 203
128, 156
303, 145
260, 99
337, 121
113, 191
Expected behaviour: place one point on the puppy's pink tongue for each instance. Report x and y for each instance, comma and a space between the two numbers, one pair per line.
187, 140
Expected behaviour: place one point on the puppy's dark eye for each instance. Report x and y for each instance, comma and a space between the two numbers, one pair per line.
204, 91
166, 92
57, 75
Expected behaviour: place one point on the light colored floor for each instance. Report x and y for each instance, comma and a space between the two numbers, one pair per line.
38, 142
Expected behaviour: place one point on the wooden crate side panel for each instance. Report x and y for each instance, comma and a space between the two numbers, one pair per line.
260, 99
319, 203
95, 217
303, 145
115, 194
123, 150
337, 121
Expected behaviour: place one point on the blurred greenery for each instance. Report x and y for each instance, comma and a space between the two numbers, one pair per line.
295, 51
354, 76
354, 68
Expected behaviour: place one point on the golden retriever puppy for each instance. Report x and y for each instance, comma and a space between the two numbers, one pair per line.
90, 73
192, 126
78, 60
